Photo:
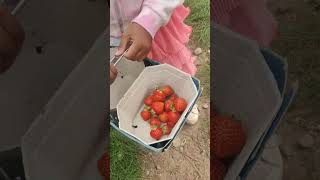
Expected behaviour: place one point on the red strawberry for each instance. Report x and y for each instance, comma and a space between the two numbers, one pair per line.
173, 97
156, 133
171, 124
218, 169
180, 104
103, 165
167, 90
228, 137
158, 107
158, 95
156, 91
166, 129
173, 117
148, 100
155, 122
163, 117
146, 115
168, 105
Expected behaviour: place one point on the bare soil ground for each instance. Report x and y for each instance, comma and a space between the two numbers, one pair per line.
299, 41
189, 156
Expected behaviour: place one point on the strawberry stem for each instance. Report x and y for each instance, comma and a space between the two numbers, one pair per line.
172, 108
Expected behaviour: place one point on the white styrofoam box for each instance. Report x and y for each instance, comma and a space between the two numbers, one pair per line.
244, 86
151, 77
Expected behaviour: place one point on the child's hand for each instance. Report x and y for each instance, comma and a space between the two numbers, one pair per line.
11, 39
142, 42
113, 73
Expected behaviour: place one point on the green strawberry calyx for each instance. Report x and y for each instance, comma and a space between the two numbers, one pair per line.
153, 113
164, 129
172, 108
154, 127
147, 108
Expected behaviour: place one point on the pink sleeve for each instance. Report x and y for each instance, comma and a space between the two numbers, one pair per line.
156, 13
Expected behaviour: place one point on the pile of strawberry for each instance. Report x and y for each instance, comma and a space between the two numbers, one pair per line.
227, 140
162, 110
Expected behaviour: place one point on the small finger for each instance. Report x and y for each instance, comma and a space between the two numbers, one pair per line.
113, 69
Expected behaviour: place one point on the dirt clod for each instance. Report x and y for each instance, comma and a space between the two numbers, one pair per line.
177, 142
197, 51
205, 106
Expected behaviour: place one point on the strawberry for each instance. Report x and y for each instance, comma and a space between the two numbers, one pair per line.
148, 100
103, 165
173, 97
218, 169
168, 105
163, 117
156, 91
156, 133
171, 124
155, 122
158, 95
146, 115
167, 90
173, 118
228, 137
180, 104
157, 107
166, 129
